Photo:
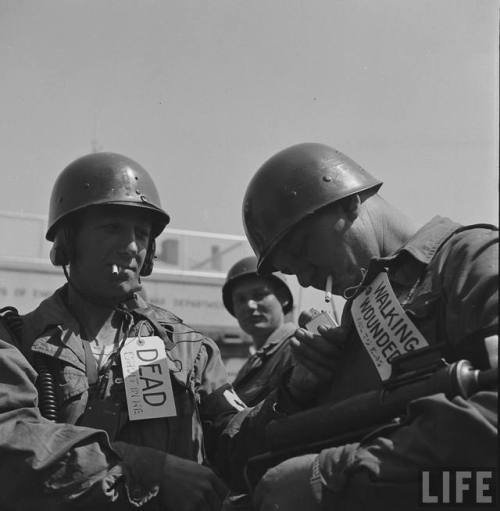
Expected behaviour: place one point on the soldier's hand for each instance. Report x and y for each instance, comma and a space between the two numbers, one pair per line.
317, 357
188, 485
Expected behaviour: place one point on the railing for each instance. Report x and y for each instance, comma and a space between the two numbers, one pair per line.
200, 251
176, 249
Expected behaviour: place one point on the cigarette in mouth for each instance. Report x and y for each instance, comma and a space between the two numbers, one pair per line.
114, 269
328, 290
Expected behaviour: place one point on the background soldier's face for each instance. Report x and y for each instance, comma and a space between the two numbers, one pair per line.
107, 236
256, 307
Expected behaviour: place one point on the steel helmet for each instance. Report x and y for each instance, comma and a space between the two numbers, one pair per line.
100, 179
248, 266
293, 184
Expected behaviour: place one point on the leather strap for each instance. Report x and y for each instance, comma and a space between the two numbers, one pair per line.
90, 364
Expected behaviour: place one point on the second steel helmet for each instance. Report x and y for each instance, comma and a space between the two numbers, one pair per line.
101, 179
293, 184
245, 267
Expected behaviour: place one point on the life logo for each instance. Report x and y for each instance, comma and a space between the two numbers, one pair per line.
468, 488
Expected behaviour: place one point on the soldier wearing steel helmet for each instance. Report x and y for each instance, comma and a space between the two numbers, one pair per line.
313, 212
104, 216
260, 304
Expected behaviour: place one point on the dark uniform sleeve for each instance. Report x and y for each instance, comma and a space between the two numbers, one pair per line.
259, 376
56, 466
469, 272
232, 431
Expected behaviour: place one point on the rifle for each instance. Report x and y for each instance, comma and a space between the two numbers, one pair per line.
416, 374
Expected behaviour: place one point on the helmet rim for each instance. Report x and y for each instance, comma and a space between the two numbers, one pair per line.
160, 218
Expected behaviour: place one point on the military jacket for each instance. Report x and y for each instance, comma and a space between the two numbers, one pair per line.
262, 372
82, 461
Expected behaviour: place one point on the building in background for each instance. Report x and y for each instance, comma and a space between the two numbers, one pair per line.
187, 279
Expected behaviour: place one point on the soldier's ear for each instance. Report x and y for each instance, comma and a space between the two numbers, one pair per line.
62, 251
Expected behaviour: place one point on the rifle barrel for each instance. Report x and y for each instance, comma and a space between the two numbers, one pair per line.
374, 407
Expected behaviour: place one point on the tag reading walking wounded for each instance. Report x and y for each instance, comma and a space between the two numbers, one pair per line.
147, 379
383, 326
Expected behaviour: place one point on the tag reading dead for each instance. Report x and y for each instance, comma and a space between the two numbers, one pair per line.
147, 379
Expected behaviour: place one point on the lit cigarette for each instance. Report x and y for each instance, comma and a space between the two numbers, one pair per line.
328, 290
114, 269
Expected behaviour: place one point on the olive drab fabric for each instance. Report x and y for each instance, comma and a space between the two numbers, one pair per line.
50, 329
264, 370
75, 461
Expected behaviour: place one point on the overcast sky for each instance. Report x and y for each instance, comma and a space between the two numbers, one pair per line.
202, 92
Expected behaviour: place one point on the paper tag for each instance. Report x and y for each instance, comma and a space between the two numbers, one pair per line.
383, 326
147, 379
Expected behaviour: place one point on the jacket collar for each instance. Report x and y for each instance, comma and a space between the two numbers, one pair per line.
417, 252
424, 244
408, 262
58, 331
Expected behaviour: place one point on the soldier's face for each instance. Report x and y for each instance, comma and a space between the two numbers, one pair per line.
256, 306
110, 249
325, 243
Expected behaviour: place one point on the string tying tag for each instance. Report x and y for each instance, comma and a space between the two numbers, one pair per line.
140, 340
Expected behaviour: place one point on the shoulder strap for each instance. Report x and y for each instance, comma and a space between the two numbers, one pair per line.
90, 364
